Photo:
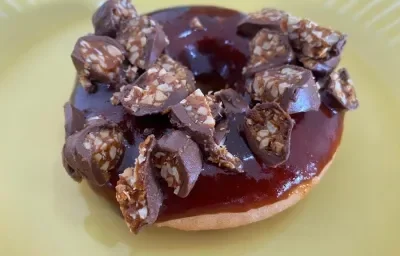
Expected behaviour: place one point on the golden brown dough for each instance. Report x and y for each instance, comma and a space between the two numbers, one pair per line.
232, 220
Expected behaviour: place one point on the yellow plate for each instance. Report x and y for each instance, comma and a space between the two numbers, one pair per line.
354, 211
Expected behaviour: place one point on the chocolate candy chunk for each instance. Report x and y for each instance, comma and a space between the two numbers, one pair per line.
312, 40
181, 72
320, 67
232, 101
194, 114
266, 18
109, 17
137, 190
268, 129
94, 151
217, 110
144, 40
293, 87
74, 119
268, 49
341, 87
318, 48
98, 59
154, 92
180, 161
221, 131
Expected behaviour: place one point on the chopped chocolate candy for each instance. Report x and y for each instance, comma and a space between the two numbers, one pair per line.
268, 129
217, 110
180, 161
232, 101
266, 18
221, 131
268, 49
98, 59
196, 24
94, 151
110, 15
182, 73
154, 92
293, 87
321, 67
144, 40
318, 48
194, 114
137, 190
341, 87
74, 119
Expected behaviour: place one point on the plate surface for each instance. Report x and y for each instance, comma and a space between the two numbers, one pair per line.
354, 211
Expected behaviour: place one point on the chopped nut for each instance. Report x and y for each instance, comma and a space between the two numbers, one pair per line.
341, 87
216, 107
98, 59
109, 16
221, 131
268, 49
293, 87
180, 161
137, 190
144, 40
94, 151
222, 157
268, 130
268, 18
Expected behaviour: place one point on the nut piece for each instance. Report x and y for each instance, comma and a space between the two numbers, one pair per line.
94, 151
268, 49
216, 107
196, 24
74, 119
266, 18
144, 40
180, 161
154, 92
233, 102
221, 131
220, 156
98, 59
137, 190
110, 15
193, 115
268, 130
341, 87
293, 87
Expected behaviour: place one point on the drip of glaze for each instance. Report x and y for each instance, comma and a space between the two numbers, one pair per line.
216, 55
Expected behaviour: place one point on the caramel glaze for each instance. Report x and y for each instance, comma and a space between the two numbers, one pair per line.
216, 55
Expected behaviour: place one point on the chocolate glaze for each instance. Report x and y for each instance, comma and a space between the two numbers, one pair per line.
216, 56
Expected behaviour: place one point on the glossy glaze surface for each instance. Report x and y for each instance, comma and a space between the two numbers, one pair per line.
216, 55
